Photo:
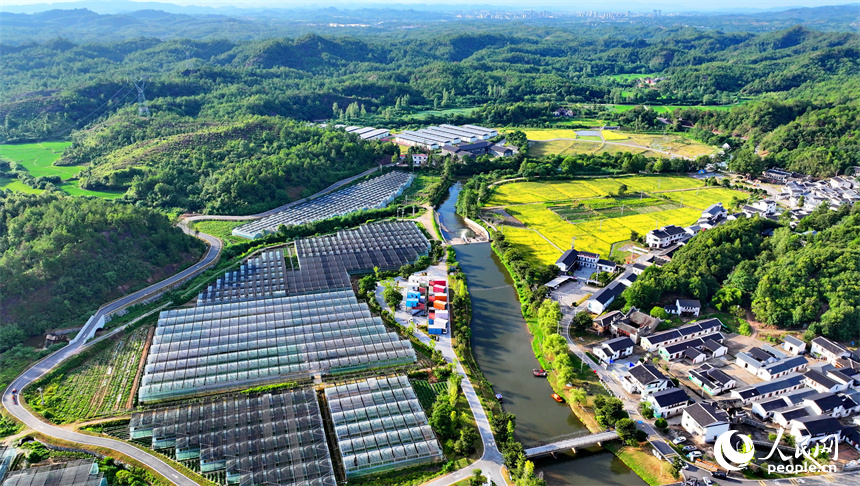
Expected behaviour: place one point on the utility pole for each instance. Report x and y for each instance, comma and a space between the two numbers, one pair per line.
142, 106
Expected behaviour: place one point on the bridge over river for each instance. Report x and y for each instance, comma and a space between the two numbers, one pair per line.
572, 443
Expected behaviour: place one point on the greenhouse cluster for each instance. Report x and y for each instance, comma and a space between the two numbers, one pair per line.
241, 344
324, 263
260, 276
380, 426
84, 472
273, 438
370, 194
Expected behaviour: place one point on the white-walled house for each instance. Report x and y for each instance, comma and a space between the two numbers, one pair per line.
614, 349
768, 389
827, 349
700, 329
645, 379
665, 236
684, 306
705, 421
809, 430
713, 380
669, 402
793, 345
824, 381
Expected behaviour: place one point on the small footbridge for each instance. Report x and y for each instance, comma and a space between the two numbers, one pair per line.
585, 439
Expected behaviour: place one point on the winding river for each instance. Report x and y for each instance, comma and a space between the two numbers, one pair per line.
501, 343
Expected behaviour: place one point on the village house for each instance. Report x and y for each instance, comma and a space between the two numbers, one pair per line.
665, 236
822, 347
573, 259
645, 379
768, 389
700, 329
668, 403
613, 349
809, 430
712, 380
767, 363
793, 345
684, 306
827, 381
695, 350
704, 421
634, 324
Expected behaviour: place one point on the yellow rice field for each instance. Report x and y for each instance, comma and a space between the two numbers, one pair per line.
534, 248
535, 192
706, 197
549, 134
610, 135
596, 236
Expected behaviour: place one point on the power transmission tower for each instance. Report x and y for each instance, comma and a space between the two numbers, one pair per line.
142, 105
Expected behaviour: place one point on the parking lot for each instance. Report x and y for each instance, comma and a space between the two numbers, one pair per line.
570, 292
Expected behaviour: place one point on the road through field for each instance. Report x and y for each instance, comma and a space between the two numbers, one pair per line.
80, 343
77, 345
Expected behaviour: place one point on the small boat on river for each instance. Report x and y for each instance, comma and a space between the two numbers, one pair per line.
556, 397
541, 373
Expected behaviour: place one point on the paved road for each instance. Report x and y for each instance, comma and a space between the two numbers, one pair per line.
79, 344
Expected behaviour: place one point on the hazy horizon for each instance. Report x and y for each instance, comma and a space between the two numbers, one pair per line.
506, 4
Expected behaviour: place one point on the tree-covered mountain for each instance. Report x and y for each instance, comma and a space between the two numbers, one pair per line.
244, 166
789, 280
63, 257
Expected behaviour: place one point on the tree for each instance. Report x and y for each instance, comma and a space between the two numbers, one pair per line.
661, 424
549, 315
392, 294
477, 478
581, 322
745, 329
676, 467
746, 161
726, 297
626, 429
578, 395
801, 201
659, 312
622, 189
646, 409
555, 345
634, 235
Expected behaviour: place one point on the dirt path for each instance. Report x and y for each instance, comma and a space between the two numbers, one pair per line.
130, 402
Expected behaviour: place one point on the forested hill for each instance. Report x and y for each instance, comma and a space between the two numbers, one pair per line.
63, 257
53, 88
789, 281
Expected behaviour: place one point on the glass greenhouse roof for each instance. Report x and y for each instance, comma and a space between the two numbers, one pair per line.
242, 344
75, 473
380, 426
370, 194
324, 263
273, 438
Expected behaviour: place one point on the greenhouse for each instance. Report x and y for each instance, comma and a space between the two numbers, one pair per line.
258, 277
273, 438
321, 263
370, 194
84, 472
380, 426
241, 344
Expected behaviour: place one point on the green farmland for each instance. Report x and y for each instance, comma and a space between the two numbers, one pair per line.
38, 159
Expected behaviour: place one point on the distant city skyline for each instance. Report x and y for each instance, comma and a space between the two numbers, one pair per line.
673, 5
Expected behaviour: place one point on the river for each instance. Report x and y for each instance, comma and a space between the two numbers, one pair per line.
501, 344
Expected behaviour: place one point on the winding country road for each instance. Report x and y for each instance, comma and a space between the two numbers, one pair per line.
79, 344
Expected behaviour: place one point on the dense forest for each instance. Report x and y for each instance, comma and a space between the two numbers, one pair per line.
794, 89
789, 280
63, 257
243, 166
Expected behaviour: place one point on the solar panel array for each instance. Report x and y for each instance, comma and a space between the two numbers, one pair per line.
227, 346
258, 277
373, 193
273, 438
380, 426
74, 473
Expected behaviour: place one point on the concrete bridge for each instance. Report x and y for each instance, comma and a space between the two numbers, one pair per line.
571, 444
